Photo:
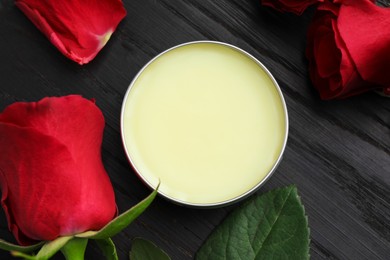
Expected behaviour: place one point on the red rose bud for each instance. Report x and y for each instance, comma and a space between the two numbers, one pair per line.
52, 179
348, 53
292, 6
79, 29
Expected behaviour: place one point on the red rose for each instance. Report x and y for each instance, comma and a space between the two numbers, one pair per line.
52, 178
348, 52
293, 6
79, 29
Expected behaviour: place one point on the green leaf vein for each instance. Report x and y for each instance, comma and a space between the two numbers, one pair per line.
274, 222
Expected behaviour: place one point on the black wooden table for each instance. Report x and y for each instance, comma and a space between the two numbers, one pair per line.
337, 153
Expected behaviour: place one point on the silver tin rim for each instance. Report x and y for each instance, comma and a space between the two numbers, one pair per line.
232, 200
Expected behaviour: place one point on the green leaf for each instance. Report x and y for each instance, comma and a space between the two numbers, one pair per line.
270, 226
75, 249
143, 249
108, 248
12, 247
48, 249
117, 224
52, 247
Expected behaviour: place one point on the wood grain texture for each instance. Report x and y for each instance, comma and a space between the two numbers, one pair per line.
338, 152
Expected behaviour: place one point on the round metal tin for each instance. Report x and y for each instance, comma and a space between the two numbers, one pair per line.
245, 194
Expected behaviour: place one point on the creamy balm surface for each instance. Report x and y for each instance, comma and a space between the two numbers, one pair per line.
206, 120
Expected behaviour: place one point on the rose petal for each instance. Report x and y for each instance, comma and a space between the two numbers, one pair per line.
79, 29
32, 181
328, 54
71, 119
364, 27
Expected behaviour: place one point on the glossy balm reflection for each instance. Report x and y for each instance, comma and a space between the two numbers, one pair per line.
207, 120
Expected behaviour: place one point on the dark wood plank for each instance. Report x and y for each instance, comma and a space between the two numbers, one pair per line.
337, 154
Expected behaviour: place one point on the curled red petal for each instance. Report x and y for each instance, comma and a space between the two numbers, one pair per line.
327, 53
323, 53
79, 29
